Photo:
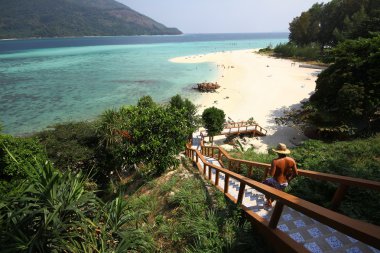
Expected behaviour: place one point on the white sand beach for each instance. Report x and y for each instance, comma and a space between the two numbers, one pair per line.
258, 86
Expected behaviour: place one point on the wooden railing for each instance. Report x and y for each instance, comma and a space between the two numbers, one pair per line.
242, 124
242, 127
365, 232
344, 182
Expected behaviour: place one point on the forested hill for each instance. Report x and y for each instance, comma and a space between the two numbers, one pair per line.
60, 18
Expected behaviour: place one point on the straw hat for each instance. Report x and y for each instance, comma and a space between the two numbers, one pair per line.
281, 149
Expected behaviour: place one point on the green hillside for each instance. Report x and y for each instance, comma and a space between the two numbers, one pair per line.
61, 18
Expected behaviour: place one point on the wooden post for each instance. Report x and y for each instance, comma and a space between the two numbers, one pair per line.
250, 171
216, 177
229, 164
241, 193
196, 157
209, 172
338, 196
212, 153
226, 182
276, 214
204, 169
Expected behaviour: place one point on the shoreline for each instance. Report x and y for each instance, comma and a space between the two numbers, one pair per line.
258, 86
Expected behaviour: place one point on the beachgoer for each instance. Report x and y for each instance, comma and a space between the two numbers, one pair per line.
283, 169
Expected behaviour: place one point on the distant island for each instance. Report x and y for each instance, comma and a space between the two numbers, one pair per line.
66, 18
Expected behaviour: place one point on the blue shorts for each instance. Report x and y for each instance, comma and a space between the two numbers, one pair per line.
272, 182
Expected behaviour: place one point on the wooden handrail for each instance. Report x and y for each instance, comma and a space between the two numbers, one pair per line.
345, 180
241, 124
362, 231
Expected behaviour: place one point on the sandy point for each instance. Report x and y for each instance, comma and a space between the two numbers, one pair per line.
258, 86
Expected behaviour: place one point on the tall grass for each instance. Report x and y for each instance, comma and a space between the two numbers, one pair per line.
184, 214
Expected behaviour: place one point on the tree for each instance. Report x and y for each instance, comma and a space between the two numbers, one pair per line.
158, 133
188, 110
305, 28
148, 135
347, 92
333, 22
213, 118
71, 145
145, 101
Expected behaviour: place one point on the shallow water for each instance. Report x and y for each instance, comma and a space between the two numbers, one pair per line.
49, 81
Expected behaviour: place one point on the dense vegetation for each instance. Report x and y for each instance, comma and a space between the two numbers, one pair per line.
325, 25
356, 158
53, 211
347, 93
126, 207
182, 213
333, 22
60, 18
345, 35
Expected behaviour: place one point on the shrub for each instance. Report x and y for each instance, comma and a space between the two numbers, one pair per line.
308, 52
213, 119
347, 91
71, 145
25, 149
54, 212
147, 136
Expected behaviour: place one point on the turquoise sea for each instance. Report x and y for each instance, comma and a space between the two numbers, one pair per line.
49, 81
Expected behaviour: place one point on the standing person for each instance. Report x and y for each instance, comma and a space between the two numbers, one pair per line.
283, 169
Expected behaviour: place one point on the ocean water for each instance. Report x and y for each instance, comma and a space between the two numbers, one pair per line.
49, 81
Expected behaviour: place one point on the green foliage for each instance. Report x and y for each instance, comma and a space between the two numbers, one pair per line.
357, 158
308, 52
189, 111
330, 23
268, 49
347, 91
44, 18
208, 223
25, 149
145, 101
158, 134
71, 145
181, 214
213, 119
147, 136
53, 211
305, 28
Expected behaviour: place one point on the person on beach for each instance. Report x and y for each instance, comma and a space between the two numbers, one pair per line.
283, 169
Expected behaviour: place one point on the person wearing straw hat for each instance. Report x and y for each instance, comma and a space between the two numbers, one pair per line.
283, 169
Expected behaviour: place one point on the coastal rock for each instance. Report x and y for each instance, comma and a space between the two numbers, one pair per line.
207, 87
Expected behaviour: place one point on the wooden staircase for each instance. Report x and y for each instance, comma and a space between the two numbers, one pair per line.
293, 224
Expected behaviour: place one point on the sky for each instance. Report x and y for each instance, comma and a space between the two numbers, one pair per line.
223, 16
